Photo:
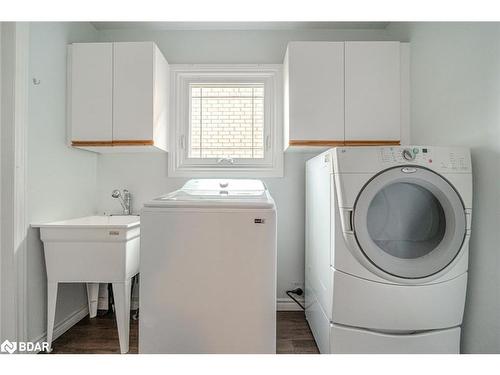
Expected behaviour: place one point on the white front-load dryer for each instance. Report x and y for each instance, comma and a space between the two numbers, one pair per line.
393, 262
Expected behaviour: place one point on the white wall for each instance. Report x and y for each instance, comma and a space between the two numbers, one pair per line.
455, 91
146, 175
61, 180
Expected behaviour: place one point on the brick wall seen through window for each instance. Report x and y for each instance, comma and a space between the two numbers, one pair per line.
226, 121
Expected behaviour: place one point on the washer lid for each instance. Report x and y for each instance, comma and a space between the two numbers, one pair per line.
409, 222
226, 193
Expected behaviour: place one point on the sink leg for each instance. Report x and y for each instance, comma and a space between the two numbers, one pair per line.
121, 294
51, 311
92, 297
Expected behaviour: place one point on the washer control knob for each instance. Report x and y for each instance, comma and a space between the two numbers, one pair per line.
408, 154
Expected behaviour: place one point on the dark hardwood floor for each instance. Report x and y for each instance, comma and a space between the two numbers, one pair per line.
100, 336
293, 335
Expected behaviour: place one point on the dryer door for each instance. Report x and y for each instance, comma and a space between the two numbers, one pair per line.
409, 222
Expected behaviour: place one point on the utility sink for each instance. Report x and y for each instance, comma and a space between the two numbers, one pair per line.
95, 223
92, 247
93, 250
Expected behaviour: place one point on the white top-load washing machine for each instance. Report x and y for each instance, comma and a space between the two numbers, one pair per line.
387, 238
208, 269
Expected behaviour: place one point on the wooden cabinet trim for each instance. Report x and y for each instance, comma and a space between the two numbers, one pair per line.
372, 143
336, 143
133, 143
91, 143
332, 143
112, 143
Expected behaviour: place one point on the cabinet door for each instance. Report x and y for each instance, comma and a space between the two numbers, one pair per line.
316, 90
133, 91
372, 91
91, 91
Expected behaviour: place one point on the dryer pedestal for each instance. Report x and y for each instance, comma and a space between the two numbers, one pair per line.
401, 325
349, 340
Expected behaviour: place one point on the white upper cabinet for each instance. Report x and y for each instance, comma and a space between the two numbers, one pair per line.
133, 79
133, 91
372, 91
343, 93
91, 91
314, 92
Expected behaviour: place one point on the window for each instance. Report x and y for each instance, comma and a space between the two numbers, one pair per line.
226, 121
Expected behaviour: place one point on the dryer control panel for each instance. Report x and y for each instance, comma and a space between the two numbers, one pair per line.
375, 159
453, 160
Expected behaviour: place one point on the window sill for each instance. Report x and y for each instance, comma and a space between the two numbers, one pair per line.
229, 172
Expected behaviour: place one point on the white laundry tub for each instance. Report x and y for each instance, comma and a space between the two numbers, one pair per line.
93, 250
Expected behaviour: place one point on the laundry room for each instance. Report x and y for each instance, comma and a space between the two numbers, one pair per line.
249, 187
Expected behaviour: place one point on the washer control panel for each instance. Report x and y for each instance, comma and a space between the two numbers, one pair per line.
446, 159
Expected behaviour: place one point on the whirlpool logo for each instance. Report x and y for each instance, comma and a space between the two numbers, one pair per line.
24, 347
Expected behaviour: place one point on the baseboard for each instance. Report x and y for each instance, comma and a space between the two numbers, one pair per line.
287, 304
65, 325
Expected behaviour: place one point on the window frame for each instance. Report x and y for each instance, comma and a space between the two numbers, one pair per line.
182, 76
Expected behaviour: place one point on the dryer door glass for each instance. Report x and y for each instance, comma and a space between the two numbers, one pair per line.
409, 222
406, 220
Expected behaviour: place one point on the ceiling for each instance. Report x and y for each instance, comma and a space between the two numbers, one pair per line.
238, 25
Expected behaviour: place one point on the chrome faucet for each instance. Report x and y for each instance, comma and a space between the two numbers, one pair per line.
125, 200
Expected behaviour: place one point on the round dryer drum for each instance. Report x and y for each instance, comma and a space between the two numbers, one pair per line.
409, 222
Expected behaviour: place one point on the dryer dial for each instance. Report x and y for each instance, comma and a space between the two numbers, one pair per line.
408, 154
